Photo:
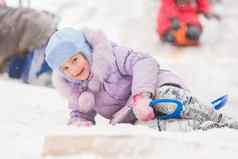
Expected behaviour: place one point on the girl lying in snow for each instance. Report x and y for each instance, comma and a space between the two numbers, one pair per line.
98, 76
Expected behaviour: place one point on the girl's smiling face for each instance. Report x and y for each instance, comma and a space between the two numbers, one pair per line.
77, 67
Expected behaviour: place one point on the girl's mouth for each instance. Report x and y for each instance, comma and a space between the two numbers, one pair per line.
78, 74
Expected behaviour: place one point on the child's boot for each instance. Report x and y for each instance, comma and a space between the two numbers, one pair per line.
193, 33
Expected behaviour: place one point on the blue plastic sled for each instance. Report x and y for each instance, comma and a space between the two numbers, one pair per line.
220, 102
172, 108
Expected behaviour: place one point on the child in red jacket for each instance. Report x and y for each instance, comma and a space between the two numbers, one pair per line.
178, 20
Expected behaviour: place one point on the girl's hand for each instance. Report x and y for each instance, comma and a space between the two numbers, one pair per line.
141, 108
81, 123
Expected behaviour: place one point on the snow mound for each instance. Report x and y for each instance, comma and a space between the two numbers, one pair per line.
137, 142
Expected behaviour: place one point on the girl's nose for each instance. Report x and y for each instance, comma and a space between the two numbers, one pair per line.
74, 71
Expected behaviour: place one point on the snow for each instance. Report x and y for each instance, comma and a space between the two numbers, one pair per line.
148, 143
142, 142
29, 112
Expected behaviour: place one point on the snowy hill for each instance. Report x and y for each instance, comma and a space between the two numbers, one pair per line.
28, 112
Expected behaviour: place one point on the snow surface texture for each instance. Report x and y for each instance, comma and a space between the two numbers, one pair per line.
28, 113
139, 142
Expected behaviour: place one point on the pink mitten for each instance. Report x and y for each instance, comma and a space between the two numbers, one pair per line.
141, 108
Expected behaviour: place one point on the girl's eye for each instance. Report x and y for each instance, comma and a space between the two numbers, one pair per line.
65, 68
75, 60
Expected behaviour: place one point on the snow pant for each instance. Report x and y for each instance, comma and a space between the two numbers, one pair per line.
193, 33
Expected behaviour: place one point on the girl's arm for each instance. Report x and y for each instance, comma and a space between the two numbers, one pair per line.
142, 68
144, 72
